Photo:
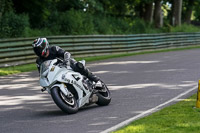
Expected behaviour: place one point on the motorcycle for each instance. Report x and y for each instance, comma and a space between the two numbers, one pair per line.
69, 89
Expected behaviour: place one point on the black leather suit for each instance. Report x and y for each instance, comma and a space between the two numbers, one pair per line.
57, 52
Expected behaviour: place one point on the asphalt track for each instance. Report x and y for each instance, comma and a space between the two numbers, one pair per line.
137, 83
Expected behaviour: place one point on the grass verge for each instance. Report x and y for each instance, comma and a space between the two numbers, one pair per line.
17, 69
181, 117
31, 67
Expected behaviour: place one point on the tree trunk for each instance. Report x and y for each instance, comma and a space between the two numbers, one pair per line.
158, 14
141, 10
188, 14
148, 14
176, 13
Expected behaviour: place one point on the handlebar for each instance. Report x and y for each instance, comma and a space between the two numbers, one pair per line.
60, 62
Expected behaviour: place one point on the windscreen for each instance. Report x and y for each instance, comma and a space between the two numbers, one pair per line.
44, 66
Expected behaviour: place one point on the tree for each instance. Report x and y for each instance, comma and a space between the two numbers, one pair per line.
176, 12
144, 10
115, 7
148, 14
196, 12
37, 10
158, 14
2, 5
66, 5
5, 6
189, 4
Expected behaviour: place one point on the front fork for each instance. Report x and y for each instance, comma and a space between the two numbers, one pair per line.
62, 88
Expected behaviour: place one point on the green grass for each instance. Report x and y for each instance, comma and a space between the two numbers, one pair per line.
17, 69
31, 67
182, 117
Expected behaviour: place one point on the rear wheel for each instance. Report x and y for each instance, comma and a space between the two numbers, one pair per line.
66, 104
104, 96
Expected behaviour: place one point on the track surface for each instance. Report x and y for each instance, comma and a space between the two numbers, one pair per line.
137, 83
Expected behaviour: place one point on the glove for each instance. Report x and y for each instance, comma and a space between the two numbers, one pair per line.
66, 62
67, 56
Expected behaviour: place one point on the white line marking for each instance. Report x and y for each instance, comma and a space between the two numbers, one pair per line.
145, 113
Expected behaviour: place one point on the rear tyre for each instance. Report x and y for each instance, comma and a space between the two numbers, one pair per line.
67, 105
104, 97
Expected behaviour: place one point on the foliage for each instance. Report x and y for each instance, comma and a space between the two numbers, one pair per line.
5, 6
139, 26
22, 18
76, 22
196, 10
38, 32
71, 23
101, 25
185, 28
13, 25
65, 5
119, 26
37, 10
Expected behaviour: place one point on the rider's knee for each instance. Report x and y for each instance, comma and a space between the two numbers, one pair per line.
80, 66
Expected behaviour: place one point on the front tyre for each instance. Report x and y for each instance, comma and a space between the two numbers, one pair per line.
104, 97
67, 105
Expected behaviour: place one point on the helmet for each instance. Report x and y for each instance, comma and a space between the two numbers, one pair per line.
40, 46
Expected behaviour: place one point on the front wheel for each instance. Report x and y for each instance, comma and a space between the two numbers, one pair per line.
66, 104
104, 96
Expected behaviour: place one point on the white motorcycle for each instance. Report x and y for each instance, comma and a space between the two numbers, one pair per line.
70, 90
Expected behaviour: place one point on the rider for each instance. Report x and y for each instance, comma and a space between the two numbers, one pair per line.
45, 52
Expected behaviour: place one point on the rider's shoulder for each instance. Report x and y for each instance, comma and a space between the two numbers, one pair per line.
55, 48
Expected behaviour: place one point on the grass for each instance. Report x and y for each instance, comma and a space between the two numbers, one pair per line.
17, 69
182, 117
32, 67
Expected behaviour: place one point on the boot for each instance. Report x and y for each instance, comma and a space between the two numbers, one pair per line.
79, 67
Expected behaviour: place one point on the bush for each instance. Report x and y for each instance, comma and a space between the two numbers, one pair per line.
38, 32
101, 25
13, 25
119, 25
71, 23
53, 23
76, 22
185, 28
138, 26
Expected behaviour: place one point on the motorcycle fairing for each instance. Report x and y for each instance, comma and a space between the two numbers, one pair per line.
58, 76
